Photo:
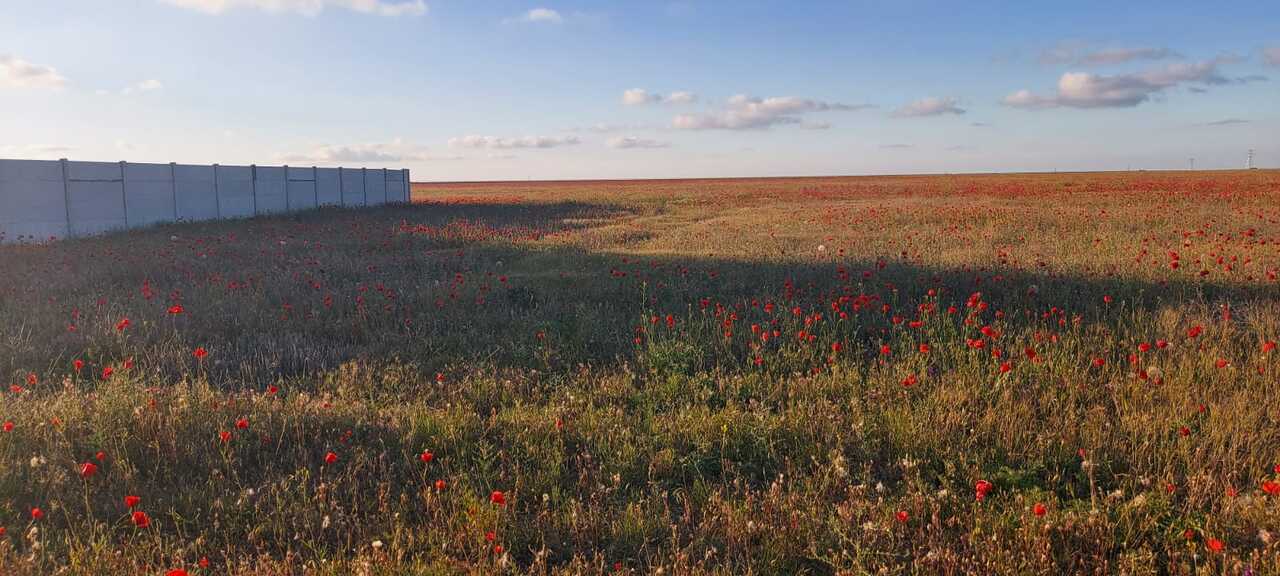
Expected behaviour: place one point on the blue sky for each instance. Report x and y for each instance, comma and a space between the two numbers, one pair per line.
484, 90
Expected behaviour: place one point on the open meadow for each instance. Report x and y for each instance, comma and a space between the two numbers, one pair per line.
987, 374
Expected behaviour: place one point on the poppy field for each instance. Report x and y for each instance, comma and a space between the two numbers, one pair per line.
982, 374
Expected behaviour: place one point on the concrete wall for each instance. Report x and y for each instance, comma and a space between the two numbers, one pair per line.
43, 200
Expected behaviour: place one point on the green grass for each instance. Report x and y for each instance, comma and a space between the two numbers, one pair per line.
661, 376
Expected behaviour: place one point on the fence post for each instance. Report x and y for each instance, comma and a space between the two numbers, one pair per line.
217, 196
66, 194
408, 188
173, 178
253, 186
124, 190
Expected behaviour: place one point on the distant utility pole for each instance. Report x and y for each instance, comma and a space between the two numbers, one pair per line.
1192, 162
1249, 164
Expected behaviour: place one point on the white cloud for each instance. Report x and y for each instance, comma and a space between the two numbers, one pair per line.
681, 97
499, 143
18, 73
308, 7
606, 128
34, 151
1271, 56
1087, 90
632, 142
640, 97
543, 15
931, 106
746, 113
1078, 54
378, 152
141, 87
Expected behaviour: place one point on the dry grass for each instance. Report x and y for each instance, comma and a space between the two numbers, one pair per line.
942, 375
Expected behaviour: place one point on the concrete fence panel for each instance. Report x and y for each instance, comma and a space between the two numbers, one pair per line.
301, 188
397, 186
375, 187
95, 197
352, 187
194, 194
33, 200
44, 200
235, 192
328, 187
270, 187
149, 194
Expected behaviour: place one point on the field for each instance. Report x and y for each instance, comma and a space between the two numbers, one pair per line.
1013, 374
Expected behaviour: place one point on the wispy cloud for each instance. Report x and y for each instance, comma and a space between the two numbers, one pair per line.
897, 146
1271, 56
1080, 55
747, 113
932, 106
394, 151
607, 128
34, 151
640, 97
18, 73
501, 143
307, 7
1087, 90
1224, 122
144, 86
632, 142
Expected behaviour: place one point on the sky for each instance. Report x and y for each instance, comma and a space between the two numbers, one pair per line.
574, 89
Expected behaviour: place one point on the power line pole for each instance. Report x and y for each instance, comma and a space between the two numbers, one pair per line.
1249, 164
1192, 162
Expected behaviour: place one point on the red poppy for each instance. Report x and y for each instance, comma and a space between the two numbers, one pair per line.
140, 519
1268, 346
1039, 509
8, 426
37, 513
1220, 363
176, 572
200, 353
131, 501
909, 381
1214, 544
100, 455
426, 457
77, 365
441, 485
330, 458
497, 497
122, 324
176, 309
982, 488
885, 350
1099, 362
107, 372
1195, 331
225, 436
902, 516
242, 423
88, 469
1271, 487
924, 348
